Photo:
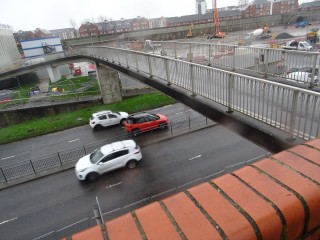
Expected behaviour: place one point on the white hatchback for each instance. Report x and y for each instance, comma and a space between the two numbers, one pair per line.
107, 118
115, 155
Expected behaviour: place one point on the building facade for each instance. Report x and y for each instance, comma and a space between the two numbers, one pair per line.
9, 54
88, 29
264, 8
65, 33
201, 6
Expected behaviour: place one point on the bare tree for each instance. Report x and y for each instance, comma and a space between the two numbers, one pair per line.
102, 18
74, 26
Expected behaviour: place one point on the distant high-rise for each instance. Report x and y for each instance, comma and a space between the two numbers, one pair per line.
243, 2
201, 6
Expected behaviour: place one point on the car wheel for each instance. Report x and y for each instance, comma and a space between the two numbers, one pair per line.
122, 121
97, 127
162, 125
135, 132
91, 177
131, 164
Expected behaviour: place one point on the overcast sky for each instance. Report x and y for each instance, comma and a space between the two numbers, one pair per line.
56, 14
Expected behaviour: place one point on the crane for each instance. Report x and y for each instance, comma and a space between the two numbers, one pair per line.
216, 22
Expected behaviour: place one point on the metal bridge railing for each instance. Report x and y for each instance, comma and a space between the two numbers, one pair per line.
291, 109
267, 62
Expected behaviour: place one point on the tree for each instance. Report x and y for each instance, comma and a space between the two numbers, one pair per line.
75, 27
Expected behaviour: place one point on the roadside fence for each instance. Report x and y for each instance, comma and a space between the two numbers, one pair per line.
67, 158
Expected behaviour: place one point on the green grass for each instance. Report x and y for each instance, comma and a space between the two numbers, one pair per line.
80, 117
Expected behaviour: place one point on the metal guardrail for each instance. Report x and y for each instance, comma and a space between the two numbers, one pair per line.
263, 60
291, 109
60, 159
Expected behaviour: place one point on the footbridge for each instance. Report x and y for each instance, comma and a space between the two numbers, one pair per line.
240, 87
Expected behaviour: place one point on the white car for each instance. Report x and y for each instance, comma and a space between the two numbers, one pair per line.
33, 61
115, 155
107, 118
302, 77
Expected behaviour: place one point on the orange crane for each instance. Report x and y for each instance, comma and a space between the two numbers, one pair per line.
216, 22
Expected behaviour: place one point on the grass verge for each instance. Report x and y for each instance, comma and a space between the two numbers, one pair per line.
49, 124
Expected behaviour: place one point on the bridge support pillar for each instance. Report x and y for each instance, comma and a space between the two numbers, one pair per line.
54, 74
109, 82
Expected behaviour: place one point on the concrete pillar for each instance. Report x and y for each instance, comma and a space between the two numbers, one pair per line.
54, 74
110, 85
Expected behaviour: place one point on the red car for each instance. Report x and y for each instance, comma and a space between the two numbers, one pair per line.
143, 122
77, 72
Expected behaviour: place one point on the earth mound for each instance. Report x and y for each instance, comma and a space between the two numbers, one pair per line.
284, 36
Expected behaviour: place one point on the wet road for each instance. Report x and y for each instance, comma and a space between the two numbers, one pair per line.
75, 137
61, 203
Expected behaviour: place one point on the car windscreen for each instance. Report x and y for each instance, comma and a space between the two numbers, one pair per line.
96, 156
92, 117
131, 120
153, 117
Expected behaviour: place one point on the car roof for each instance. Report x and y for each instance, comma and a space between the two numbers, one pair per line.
143, 114
101, 112
106, 149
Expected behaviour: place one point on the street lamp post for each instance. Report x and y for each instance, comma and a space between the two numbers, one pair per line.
99, 218
105, 26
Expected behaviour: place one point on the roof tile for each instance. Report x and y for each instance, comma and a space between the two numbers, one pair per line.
155, 223
122, 227
308, 190
192, 222
231, 221
279, 196
263, 214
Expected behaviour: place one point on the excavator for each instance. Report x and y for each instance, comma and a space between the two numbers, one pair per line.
216, 22
190, 34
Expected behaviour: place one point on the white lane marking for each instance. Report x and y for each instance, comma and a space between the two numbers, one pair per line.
8, 157
179, 112
189, 110
214, 174
253, 159
145, 199
112, 211
74, 140
72, 224
195, 157
113, 185
154, 196
188, 183
10, 220
41, 237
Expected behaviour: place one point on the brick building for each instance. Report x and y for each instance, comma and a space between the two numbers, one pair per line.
88, 29
264, 8
140, 23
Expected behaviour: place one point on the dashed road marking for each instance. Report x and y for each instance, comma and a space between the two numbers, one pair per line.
7, 157
10, 220
74, 140
113, 185
179, 113
195, 157
129, 205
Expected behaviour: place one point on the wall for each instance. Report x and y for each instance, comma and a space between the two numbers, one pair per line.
10, 117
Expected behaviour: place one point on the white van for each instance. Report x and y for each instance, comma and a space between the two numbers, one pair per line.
33, 61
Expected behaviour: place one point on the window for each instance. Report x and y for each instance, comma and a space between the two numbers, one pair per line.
141, 120
112, 116
108, 157
102, 117
120, 153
